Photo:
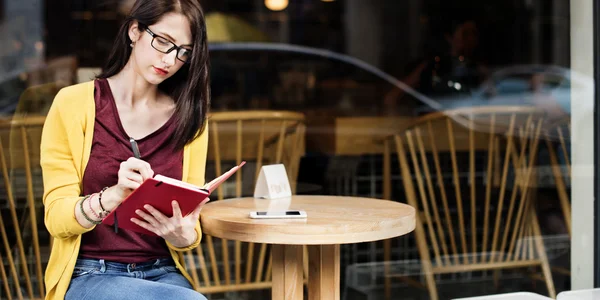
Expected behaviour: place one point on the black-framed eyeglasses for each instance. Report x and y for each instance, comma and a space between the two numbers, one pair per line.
163, 45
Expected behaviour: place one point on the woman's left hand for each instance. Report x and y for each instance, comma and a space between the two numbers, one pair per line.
178, 230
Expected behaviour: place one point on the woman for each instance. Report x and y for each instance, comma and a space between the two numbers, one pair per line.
154, 89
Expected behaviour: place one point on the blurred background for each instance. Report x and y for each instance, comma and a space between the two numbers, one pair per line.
358, 74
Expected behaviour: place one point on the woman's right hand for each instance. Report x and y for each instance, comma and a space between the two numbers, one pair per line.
132, 173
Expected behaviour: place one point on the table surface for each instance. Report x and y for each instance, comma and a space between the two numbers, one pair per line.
509, 296
590, 294
331, 220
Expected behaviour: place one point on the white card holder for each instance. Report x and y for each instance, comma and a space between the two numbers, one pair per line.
272, 183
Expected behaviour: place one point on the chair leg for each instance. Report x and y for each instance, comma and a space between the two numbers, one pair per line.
548, 279
542, 253
497, 280
431, 287
387, 256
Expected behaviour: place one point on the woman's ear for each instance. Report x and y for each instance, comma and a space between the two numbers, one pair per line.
134, 31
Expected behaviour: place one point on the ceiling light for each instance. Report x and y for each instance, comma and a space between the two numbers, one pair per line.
276, 5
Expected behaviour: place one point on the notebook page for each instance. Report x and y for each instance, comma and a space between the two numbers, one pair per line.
211, 186
176, 182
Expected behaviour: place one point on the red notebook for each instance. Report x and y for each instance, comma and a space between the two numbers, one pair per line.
159, 191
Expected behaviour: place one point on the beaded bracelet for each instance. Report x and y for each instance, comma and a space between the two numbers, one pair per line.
84, 214
104, 212
96, 215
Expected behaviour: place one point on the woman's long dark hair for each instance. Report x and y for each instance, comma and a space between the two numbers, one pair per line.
189, 87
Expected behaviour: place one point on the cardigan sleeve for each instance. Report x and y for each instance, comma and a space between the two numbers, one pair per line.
197, 166
61, 134
198, 154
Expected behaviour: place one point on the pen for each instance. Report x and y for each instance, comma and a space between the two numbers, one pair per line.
134, 147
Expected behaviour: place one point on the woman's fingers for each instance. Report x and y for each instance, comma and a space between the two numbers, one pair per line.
145, 170
176, 210
157, 214
177, 229
139, 166
144, 225
142, 167
148, 218
196, 212
135, 177
129, 184
133, 172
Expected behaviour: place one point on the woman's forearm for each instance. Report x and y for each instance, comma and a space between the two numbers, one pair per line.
95, 207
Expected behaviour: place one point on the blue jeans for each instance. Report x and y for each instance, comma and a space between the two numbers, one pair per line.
99, 279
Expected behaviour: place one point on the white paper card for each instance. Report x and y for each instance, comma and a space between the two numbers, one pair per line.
272, 183
273, 205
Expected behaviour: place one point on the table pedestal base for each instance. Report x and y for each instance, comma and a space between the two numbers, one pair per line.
287, 272
323, 272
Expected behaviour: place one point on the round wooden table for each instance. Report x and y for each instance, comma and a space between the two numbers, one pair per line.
331, 221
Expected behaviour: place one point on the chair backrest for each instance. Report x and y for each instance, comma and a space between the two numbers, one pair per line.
259, 138
87, 74
25, 242
468, 171
62, 70
558, 141
36, 100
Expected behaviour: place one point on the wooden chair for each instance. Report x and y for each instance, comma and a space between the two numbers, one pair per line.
25, 242
558, 139
61, 70
36, 100
260, 138
468, 223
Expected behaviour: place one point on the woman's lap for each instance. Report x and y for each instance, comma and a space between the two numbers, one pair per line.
106, 283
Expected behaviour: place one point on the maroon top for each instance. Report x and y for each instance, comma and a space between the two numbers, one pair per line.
110, 147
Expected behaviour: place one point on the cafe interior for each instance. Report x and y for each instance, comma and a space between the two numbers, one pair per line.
460, 109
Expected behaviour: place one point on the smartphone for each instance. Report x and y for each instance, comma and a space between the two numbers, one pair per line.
288, 214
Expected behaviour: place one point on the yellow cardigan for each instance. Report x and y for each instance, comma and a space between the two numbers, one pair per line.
65, 150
